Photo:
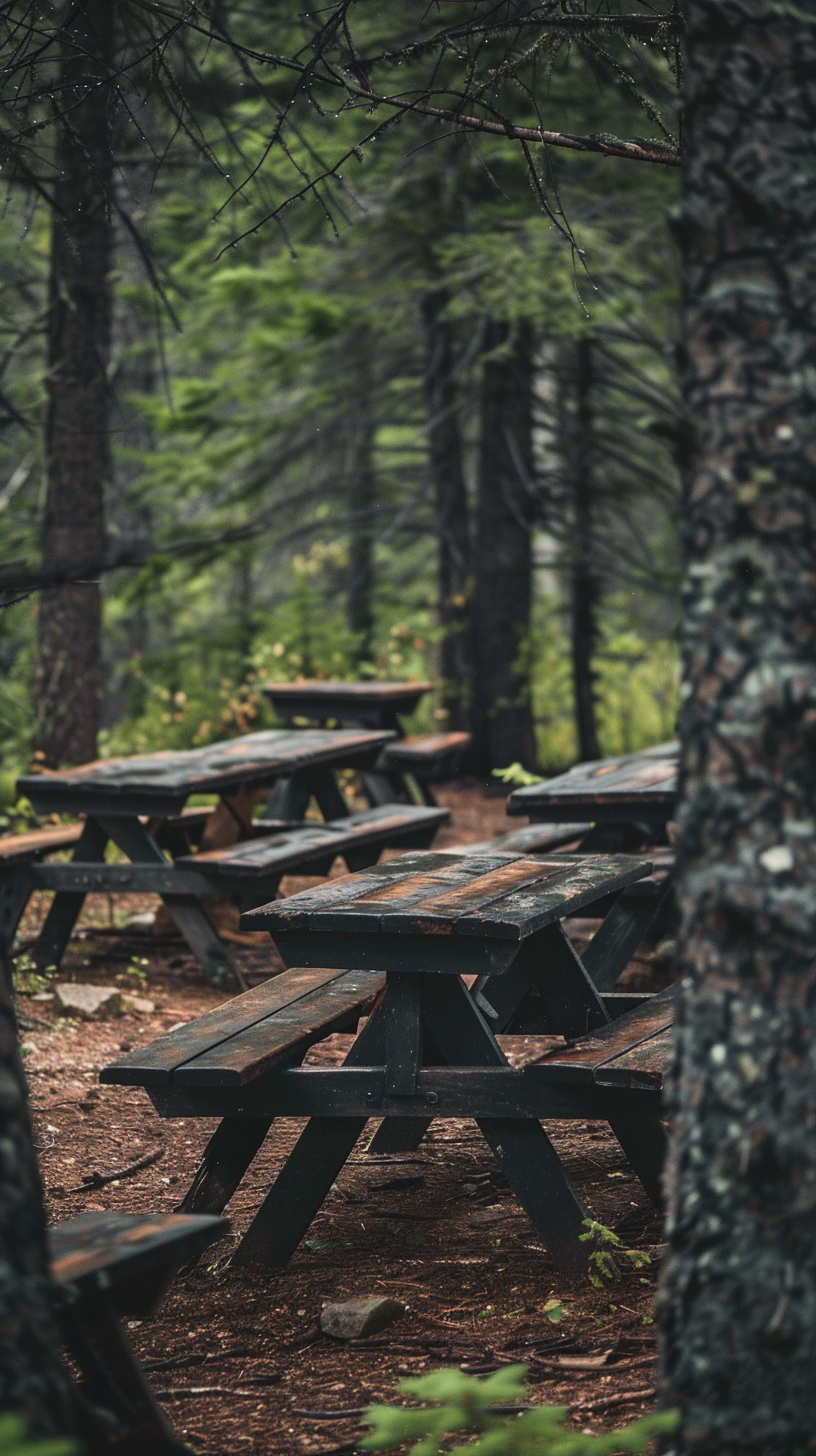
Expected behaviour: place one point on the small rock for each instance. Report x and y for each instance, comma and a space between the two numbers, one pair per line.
43, 996
140, 1004
90, 1003
354, 1319
142, 923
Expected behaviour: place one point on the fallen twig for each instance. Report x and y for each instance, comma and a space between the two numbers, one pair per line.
99, 1180
201, 1357
621, 1398
178, 1392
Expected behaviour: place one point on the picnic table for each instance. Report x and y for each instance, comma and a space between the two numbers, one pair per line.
398, 941
126, 800
407, 766
627, 799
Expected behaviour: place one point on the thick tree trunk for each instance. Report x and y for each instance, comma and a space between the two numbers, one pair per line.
362, 498
583, 586
452, 524
738, 1301
77, 442
33, 1379
503, 720
362, 510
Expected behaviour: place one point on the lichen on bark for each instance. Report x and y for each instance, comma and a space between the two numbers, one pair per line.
738, 1297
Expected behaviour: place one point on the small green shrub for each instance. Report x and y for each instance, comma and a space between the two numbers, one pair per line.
517, 775
601, 1261
471, 1409
14, 1441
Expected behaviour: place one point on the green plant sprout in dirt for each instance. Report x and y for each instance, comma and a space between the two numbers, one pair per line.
491, 1417
601, 1260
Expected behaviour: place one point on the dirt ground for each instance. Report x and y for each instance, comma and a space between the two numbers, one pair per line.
237, 1359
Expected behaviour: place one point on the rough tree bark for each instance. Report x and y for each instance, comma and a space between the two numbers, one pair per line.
78, 462
738, 1301
583, 584
452, 523
33, 1379
362, 499
503, 723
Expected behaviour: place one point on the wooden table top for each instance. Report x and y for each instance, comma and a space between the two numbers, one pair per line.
505, 897
325, 698
161, 782
607, 787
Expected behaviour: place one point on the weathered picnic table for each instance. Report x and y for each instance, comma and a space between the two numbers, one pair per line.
628, 799
400, 938
125, 799
407, 766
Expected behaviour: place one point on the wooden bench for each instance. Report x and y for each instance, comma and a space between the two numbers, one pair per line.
254, 867
533, 839
269, 1027
35, 844
106, 1265
410, 765
631, 1053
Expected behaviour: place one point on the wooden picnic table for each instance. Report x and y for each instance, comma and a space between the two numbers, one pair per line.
350, 704
407, 766
402, 936
119, 796
637, 790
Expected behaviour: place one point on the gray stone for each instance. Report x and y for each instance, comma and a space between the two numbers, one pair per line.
354, 1319
89, 1003
140, 1004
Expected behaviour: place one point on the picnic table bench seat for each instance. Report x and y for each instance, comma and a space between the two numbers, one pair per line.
430, 755
271, 1026
34, 844
106, 1265
533, 839
313, 848
268, 1028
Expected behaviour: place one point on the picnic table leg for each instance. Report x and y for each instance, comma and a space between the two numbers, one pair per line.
66, 904
15, 892
618, 937
228, 1154
520, 1145
114, 1382
309, 1171
645, 1144
207, 946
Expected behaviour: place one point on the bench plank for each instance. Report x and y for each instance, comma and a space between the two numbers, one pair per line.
580, 1062
426, 750
154, 1065
642, 1066
533, 839
257, 858
122, 1245
292, 1030
35, 842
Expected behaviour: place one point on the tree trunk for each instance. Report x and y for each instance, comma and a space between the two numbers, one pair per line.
452, 525
503, 560
33, 1380
584, 587
738, 1301
362, 489
77, 442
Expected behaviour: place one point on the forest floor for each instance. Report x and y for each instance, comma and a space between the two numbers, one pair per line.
237, 1358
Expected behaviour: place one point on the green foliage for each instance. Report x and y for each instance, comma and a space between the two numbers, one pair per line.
464, 1406
516, 775
14, 1441
601, 1259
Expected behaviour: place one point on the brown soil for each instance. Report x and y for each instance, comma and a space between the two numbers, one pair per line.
240, 1358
